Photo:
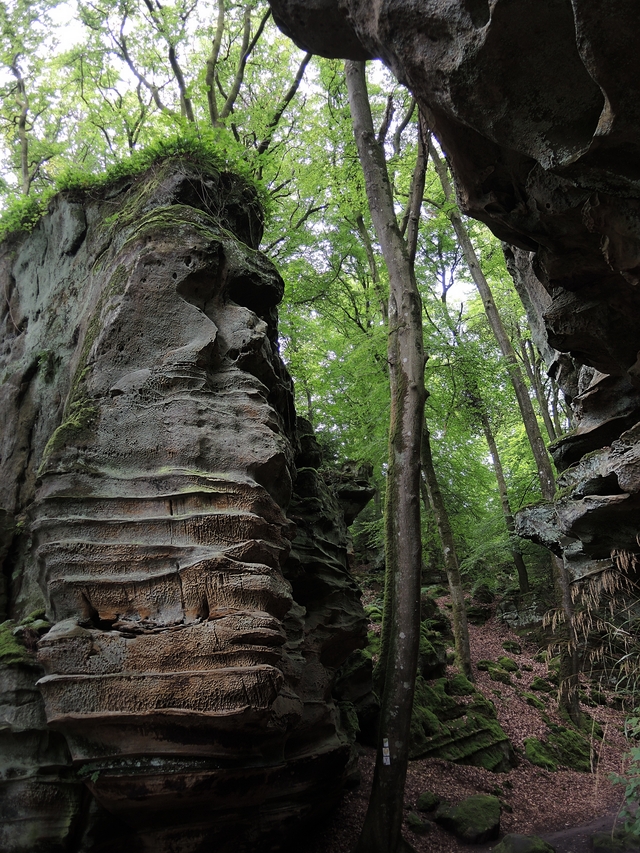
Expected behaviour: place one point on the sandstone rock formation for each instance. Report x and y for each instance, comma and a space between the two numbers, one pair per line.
198, 604
537, 106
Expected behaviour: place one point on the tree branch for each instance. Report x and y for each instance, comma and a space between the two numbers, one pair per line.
247, 48
212, 61
289, 96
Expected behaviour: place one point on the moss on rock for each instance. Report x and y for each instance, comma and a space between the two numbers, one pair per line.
475, 820
459, 685
428, 801
541, 685
496, 673
417, 824
539, 754
563, 747
532, 700
516, 843
18, 639
442, 727
508, 664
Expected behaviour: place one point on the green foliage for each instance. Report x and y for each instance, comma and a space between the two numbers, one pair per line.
630, 779
209, 149
21, 214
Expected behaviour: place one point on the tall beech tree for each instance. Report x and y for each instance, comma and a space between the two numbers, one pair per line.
403, 546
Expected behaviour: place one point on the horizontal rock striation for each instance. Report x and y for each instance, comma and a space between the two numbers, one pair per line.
537, 108
189, 669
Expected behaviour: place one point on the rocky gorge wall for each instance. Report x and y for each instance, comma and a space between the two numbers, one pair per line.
537, 106
174, 584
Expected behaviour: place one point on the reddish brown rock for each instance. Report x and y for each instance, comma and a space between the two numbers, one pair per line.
147, 490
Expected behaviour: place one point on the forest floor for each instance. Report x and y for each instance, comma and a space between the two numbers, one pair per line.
565, 807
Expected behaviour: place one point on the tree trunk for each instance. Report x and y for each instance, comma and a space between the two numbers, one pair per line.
458, 609
523, 576
545, 471
381, 832
532, 368
22, 100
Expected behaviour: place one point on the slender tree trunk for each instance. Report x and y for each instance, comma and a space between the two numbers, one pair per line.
535, 380
545, 471
458, 610
381, 832
23, 102
523, 576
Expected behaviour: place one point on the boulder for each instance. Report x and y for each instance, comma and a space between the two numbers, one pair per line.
515, 843
475, 820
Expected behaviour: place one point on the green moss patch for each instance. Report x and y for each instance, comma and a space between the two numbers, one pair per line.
572, 749
373, 613
464, 733
496, 673
417, 824
542, 685
475, 820
563, 747
459, 685
508, 664
512, 647
478, 614
538, 753
428, 801
17, 640
516, 843
78, 426
532, 700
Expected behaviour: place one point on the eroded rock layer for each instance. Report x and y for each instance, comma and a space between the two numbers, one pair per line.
148, 466
537, 106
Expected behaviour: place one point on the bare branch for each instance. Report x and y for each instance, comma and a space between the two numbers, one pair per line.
401, 127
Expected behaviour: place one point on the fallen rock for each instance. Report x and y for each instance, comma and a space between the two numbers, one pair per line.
474, 820
515, 843
427, 801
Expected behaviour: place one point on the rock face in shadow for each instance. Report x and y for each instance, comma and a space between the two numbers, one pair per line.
537, 106
200, 605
